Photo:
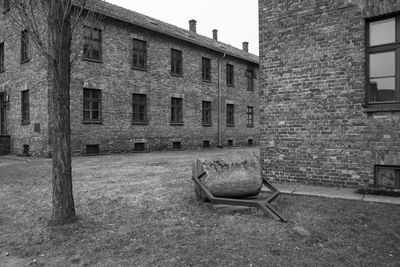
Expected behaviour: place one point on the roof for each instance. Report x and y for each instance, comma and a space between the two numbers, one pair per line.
155, 25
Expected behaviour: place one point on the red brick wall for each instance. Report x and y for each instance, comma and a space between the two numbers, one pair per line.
314, 128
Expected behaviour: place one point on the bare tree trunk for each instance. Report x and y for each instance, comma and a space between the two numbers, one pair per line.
60, 67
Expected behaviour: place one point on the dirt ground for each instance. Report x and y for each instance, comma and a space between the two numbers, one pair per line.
141, 210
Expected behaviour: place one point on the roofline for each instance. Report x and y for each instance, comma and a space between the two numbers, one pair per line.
155, 29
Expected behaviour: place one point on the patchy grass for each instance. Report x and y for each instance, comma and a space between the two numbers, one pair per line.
141, 210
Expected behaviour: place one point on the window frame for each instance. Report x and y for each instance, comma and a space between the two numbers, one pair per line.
250, 116
2, 57
230, 115
230, 75
91, 100
206, 114
88, 52
176, 62
374, 106
137, 101
24, 46
25, 107
136, 51
206, 69
250, 79
176, 111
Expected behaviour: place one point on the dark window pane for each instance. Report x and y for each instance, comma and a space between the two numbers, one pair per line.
86, 105
95, 105
95, 115
86, 115
382, 32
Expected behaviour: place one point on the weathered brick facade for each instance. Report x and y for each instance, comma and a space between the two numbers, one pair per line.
315, 125
117, 80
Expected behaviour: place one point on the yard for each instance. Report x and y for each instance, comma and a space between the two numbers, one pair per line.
141, 210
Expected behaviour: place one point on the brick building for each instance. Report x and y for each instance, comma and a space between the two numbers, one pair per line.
143, 84
330, 91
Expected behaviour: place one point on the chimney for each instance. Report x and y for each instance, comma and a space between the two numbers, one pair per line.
246, 46
192, 25
215, 34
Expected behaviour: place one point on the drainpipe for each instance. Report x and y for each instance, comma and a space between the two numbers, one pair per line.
219, 100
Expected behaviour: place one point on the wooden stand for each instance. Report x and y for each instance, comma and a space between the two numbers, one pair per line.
203, 194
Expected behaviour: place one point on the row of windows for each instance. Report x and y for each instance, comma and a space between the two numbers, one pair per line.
92, 109
92, 51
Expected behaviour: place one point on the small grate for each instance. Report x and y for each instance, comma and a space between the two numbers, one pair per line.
139, 147
92, 149
230, 142
206, 143
250, 142
26, 150
176, 145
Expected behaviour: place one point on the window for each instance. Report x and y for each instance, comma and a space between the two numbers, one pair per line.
176, 110
2, 57
25, 107
387, 176
139, 56
249, 142
206, 113
6, 6
139, 108
250, 79
229, 75
176, 62
206, 69
24, 46
206, 143
176, 145
230, 142
91, 105
92, 149
139, 147
250, 117
92, 46
230, 119
383, 54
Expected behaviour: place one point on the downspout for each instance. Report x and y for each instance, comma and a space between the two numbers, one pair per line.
219, 101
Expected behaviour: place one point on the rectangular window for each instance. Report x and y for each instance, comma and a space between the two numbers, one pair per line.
139, 108
249, 142
2, 56
230, 142
383, 55
206, 69
176, 62
206, 113
91, 105
250, 116
139, 147
206, 143
25, 107
387, 176
139, 56
250, 79
230, 118
176, 145
24, 46
229, 75
92, 149
92, 45
176, 111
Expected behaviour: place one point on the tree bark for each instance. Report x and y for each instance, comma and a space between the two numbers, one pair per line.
60, 69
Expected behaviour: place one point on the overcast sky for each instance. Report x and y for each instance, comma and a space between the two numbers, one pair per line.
235, 20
